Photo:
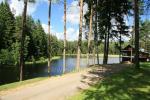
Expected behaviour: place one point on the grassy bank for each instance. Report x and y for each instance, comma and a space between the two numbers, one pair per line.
22, 83
129, 84
43, 60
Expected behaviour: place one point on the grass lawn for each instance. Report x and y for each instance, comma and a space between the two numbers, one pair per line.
22, 83
129, 84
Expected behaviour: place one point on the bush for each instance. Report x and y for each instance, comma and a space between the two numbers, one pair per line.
42, 59
6, 57
10, 57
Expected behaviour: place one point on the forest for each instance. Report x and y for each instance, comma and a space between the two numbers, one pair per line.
105, 32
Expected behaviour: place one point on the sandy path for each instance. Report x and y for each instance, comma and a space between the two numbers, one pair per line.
59, 88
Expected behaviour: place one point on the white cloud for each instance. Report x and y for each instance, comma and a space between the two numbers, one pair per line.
72, 34
17, 6
45, 27
59, 35
73, 12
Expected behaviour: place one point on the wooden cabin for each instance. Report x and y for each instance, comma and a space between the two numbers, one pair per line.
128, 54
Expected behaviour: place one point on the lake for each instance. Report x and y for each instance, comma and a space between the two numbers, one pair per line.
11, 73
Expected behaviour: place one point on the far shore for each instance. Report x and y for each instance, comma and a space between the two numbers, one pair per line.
59, 56
100, 55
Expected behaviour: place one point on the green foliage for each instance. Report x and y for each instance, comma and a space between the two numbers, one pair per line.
36, 39
7, 23
27, 41
144, 30
35, 44
144, 35
42, 59
10, 56
6, 57
15, 52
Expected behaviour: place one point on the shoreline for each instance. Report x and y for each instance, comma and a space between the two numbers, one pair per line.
84, 55
29, 82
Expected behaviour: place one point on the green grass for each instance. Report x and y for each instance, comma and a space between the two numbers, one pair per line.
43, 61
22, 83
129, 84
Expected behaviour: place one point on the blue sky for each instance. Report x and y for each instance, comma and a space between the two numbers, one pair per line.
57, 14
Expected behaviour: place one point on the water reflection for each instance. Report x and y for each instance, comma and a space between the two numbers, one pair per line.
11, 73
56, 67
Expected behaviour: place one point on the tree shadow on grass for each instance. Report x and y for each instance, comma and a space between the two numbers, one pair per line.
128, 84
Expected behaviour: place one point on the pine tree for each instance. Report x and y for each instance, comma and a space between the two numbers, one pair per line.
7, 26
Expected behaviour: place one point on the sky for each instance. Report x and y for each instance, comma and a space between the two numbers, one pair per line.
39, 10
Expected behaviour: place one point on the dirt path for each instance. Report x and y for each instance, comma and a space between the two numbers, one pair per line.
59, 88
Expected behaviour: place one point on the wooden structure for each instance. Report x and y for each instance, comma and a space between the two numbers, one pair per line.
128, 54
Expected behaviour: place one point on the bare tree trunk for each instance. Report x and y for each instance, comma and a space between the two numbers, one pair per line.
23, 39
96, 34
136, 19
97, 54
90, 34
107, 49
106, 46
120, 45
132, 42
49, 37
80, 36
64, 55
94, 56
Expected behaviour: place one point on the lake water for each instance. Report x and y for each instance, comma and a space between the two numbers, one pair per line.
10, 74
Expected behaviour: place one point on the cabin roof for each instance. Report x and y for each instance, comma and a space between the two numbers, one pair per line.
128, 48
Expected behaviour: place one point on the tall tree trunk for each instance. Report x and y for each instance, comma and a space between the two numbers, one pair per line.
107, 49
136, 24
90, 33
23, 39
49, 37
132, 43
106, 46
97, 54
80, 36
94, 56
96, 34
120, 45
64, 55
